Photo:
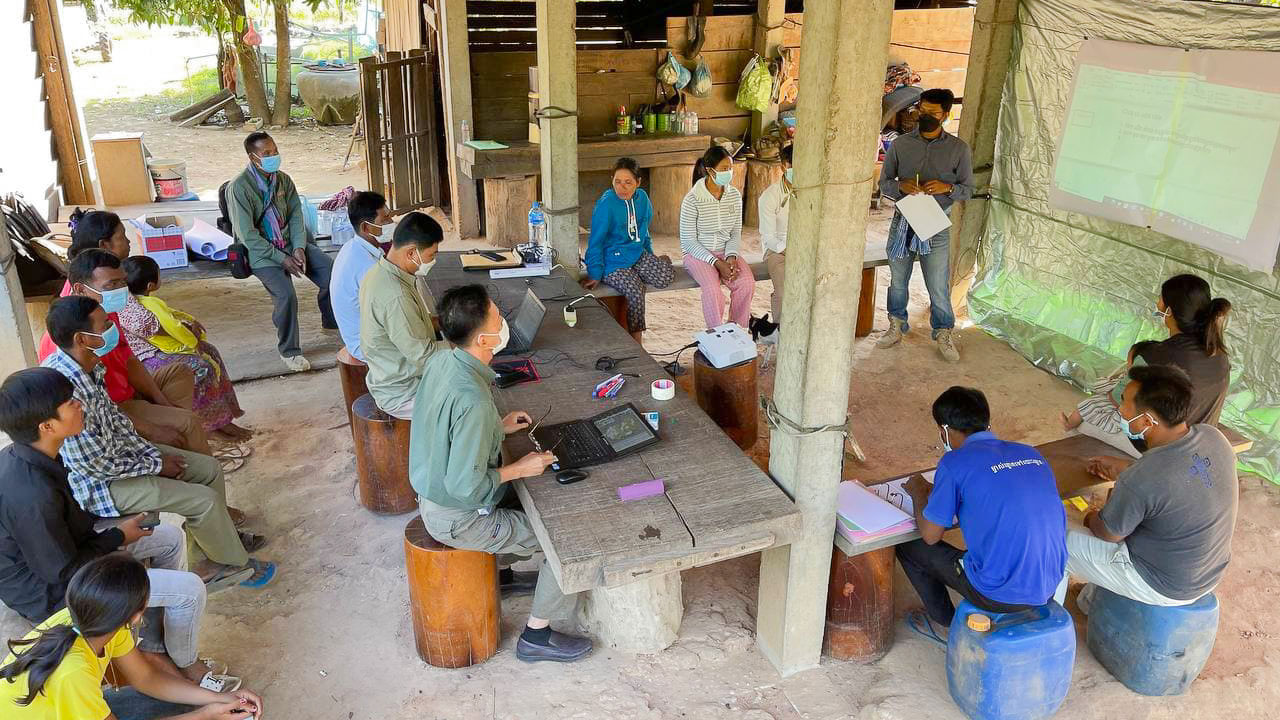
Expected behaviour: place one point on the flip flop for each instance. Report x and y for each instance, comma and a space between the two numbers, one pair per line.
227, 576
252, 542
230, 465
263, 573
233, 451
918, 621
238, 518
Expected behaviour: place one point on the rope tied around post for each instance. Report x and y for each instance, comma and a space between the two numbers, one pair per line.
777, 421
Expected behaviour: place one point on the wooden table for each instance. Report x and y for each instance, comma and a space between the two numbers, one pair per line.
627, 556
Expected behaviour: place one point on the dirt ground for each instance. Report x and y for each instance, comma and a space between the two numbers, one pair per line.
331, 638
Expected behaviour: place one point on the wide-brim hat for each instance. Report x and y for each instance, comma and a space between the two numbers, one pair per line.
900, 99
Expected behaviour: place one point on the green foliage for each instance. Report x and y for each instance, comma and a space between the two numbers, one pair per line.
212, 16
328, 50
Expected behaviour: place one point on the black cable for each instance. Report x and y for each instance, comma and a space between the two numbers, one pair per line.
674, 352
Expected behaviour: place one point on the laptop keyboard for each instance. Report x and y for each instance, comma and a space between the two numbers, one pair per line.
579, 445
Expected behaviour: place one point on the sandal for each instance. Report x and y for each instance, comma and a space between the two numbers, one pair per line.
263, 573
252, 542
230, 465
233, 451
227, 576
238, 518
919, 622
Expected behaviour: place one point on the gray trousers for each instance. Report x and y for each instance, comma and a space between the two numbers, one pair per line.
507, 534
284, 299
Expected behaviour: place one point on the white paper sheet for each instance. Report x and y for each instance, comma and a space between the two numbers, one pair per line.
923, 214
895, 494
207, 241
865, 509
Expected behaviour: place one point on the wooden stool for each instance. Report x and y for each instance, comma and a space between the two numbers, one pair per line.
729, 396
453, 600
351, 372
860, 606
382, 458
617, 307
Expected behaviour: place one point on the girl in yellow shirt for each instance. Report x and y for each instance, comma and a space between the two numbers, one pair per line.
56, 671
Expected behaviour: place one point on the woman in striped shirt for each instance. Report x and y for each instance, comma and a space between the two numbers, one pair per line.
710, 233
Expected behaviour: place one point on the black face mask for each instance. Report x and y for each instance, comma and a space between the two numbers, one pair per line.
928, 123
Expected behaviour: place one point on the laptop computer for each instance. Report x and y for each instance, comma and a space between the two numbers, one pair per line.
524, 324
595, 440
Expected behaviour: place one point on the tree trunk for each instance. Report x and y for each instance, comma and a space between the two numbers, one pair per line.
247, 58
284, 77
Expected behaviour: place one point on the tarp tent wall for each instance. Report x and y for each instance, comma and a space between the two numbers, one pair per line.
1073, 292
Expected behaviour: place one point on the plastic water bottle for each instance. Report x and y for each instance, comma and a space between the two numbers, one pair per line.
538, 229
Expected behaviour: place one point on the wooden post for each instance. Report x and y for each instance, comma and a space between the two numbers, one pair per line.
640, 617
64, 113
846, 44
558, 87
989, 56
768, 43
455, 72
14, 356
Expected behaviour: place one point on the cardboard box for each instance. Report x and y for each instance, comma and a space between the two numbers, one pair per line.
123, 177
162, 240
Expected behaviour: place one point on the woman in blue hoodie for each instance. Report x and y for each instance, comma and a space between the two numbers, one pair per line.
620, 251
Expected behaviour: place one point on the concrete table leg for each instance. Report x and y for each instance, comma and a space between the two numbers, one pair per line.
640, 617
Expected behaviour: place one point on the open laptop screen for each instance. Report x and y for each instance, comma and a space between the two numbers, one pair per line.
623, 429
528, 317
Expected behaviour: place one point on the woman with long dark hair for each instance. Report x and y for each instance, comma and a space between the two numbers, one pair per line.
1197, 325
97, 229
56, 671
620, 250
710, 233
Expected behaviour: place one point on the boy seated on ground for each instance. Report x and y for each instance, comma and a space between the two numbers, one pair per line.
1164, 536
112, 471
45, 537
1006, 499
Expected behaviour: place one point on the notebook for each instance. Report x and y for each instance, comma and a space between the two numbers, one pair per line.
476, 261
862, 515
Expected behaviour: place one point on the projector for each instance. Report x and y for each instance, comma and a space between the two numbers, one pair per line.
726, 345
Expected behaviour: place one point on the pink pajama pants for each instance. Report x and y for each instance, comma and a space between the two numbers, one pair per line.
741, 289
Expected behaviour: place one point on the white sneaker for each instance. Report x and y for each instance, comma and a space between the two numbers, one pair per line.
892, 336
297, 363
947, 346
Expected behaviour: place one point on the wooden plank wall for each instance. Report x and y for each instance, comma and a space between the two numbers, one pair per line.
934, 42
28, 154
403, 22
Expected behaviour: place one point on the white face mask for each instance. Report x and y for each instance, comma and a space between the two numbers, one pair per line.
504, 336
424, 267
382, 232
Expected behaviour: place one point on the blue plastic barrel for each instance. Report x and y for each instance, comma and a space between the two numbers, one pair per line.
1152, 650
1018, 669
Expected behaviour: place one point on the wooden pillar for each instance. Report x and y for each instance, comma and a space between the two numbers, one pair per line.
14, 356
989, 56
64, 113
768, 43
640, 617
860, 606
455, 72
842, 67
558, 86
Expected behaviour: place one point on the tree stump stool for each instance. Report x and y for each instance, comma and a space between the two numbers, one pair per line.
351, 372
453, 600
760, 175
616, 305
860, 606
729, 396
382, 459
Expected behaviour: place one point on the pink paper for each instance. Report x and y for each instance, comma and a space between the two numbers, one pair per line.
637, 491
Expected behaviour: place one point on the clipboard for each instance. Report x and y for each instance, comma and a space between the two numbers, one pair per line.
476, 261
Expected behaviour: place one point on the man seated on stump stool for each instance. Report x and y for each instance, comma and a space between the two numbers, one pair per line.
455, 461
396, 333
1007, 503
1164, 536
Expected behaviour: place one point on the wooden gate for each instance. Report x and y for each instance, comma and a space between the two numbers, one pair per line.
398, 110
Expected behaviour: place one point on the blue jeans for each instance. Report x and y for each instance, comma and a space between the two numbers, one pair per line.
937, 277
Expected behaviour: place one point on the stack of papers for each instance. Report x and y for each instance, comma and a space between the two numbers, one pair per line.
862, 515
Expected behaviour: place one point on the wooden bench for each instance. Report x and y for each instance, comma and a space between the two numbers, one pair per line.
874, 256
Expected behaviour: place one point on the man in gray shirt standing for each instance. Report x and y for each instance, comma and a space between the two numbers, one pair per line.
932, 161
1164, 536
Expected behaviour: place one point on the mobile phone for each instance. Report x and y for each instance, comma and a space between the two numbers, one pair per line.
150, 520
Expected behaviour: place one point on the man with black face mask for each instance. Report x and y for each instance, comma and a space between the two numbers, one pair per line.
932, 161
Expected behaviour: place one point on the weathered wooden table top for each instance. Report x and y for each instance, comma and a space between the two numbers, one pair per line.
717, 505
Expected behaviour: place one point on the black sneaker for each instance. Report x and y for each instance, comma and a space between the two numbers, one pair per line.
558, 648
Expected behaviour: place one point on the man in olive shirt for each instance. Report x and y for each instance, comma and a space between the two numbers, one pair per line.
266, 215
396, 334
455, 463
1164, 536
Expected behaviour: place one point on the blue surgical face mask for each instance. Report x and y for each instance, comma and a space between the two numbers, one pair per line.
270, 163
790, 175
112, 300
724, 177
109, 339
1128, 431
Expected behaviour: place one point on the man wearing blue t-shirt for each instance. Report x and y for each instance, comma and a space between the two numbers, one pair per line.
1007, 504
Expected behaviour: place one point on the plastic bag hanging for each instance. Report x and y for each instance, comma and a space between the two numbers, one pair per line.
701, 85
251, 36
673, 73
756, 87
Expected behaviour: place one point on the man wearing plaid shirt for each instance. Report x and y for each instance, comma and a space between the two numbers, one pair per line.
113, 471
